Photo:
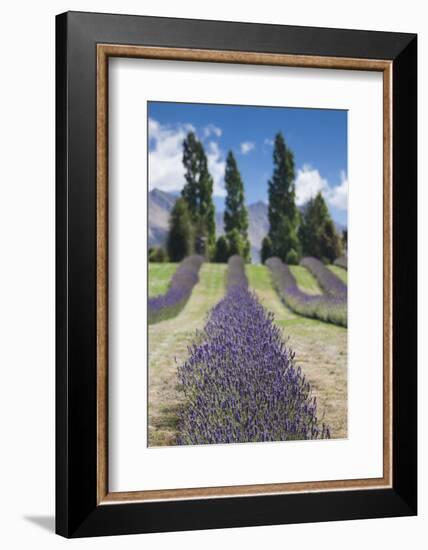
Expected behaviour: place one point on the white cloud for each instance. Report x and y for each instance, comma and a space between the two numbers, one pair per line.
216, 167
309, 182
247, 147
166, 170
211, 129
339, 194
269, 142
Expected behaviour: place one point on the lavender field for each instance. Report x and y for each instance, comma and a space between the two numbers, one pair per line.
167, 342
241, 382
330, 306
236, 364
247, 246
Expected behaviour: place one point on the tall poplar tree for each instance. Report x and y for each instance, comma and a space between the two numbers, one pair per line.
236, 213
191, 161
197, 192
283, 213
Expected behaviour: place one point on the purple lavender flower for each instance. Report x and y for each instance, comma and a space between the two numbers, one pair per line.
342, 262
180, 288
328, 281
240, 381
329, 307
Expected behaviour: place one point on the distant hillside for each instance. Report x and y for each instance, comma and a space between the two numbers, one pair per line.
161, 204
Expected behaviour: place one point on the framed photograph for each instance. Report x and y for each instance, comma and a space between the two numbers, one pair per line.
236, 274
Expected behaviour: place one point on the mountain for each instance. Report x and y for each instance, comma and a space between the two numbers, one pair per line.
161, 204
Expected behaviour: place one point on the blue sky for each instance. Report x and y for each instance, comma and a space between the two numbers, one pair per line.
318, 138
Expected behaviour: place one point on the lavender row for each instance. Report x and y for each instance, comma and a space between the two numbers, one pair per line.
342, 262
330, 283
240, 381
180, 288
328, 308
236, 276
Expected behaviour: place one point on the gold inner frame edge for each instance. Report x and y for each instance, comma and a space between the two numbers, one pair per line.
104, 51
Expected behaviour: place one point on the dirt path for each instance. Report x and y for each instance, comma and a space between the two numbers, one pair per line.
169, 340
321, 351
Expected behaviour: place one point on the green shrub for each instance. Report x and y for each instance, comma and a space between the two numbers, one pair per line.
157, 254
221, 250
237, 244
292, 257
266, 251
181, 232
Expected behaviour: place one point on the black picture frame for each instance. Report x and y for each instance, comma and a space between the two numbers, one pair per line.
77, 511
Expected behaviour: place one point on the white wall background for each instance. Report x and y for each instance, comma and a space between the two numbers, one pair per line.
27, 271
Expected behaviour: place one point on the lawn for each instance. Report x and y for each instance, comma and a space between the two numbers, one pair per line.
321, 351
340, 272
159, 276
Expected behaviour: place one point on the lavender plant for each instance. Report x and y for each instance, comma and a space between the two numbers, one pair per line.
180, 288
342, 262
235, 276
331, 284
326, 307
240, 380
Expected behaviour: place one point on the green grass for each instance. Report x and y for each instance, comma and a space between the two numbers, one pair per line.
159, 277
305, 280
340, 272
260, 281
257, 277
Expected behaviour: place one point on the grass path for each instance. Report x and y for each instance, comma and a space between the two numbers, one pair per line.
305, 280
340, 272
169, 340
159, 276
321, 351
